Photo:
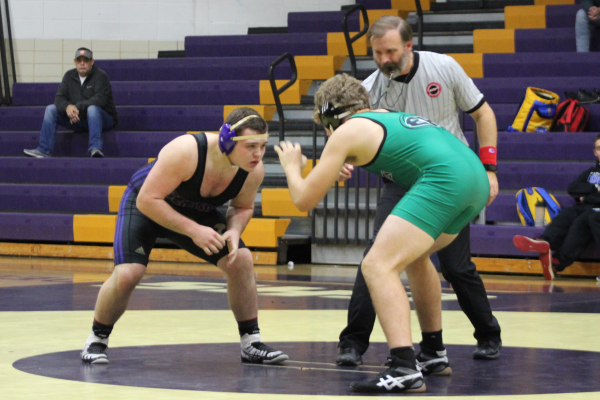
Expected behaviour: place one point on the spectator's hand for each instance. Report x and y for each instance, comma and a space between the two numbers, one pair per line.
593, 13
72, 113
232, 238
493, 186
208, 240
345, 173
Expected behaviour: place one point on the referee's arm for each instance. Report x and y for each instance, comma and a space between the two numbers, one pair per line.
487, 134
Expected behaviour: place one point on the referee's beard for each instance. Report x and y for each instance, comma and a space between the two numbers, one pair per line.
393, 69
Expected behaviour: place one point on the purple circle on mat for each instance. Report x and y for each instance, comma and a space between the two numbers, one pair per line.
311, 370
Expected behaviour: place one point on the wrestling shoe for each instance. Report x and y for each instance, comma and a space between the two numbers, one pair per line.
348, 357
260, 353
434, 365
488, 349
395, 379
94, 351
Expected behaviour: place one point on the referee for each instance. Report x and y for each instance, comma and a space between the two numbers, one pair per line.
433, 86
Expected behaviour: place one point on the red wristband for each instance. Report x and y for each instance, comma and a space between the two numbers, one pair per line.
487, 155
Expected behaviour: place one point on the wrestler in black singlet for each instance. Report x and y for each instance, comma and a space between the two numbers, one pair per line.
136, 234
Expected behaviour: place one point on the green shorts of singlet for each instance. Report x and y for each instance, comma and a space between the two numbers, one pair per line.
445, 198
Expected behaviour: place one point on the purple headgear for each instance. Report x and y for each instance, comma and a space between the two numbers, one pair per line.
227, 135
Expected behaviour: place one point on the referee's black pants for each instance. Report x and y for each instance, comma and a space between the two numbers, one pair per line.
571, 232
457, 268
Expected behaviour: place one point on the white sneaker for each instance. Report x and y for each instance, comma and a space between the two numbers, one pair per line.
256, 352
94, 351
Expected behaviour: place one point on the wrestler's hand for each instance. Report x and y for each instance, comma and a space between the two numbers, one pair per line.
493, 186
290, 155
232, 238
345, 173
208, 240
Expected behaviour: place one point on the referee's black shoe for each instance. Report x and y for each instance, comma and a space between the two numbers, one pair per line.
348, 357
487, 349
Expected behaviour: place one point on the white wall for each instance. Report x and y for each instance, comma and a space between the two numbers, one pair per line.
152, 20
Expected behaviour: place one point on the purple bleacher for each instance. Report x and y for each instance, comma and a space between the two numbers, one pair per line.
515, 175
505, 116
21, 118
153, 93
504, 207
324, 21
297, 44
131, 118
193, 69
362, 179
113, 171
30, 226
545, 40
12, 143
170, 118
512, 90
495, 240
375, 4
546, 146
550, 175
62, 198
116, 143
561, 16
517, 65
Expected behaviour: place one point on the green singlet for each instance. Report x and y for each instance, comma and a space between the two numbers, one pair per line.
447, 184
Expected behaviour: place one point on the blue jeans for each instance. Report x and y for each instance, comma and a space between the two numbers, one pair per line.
583, 28
96, 122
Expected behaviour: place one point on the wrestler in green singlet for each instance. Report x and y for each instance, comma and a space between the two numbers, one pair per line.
447, 184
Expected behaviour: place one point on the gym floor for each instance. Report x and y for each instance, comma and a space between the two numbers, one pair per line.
178, 339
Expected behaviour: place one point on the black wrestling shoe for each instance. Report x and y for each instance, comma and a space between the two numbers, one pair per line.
260, 353
488, 349
95, 352
434, 365
348, 357
393, 380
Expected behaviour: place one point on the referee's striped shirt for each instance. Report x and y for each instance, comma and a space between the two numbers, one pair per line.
435, 88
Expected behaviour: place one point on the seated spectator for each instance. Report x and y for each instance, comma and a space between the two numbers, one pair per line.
574, 228
587, 19
83, 103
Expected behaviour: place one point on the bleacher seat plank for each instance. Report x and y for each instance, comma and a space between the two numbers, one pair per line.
210, 92
36, 227
532, 266
193, 68
336, 44
53, 198
277, 202
494, 41
525, 17
298, 44
80, 251
471, 63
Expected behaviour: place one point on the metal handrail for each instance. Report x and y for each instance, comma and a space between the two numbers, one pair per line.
351, 40
419, 23
277, 92
7, 98
10, 42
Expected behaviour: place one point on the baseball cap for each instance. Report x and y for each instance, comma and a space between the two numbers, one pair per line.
83, 52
